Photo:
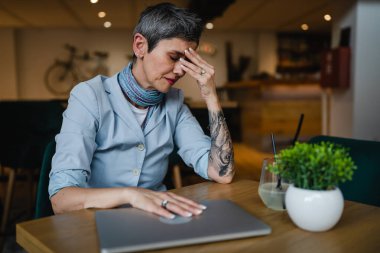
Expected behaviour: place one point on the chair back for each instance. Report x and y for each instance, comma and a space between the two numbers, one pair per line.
43, 204
365, 184
26, 128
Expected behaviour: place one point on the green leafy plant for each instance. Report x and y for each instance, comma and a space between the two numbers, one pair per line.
317, 166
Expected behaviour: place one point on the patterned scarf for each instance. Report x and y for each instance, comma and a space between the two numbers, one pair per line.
138, 95
134, 91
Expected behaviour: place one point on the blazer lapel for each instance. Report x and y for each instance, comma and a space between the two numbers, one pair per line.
156, 118
121, 107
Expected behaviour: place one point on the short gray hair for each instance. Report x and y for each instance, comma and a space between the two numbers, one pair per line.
166, 21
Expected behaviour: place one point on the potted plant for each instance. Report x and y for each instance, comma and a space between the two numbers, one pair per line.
313, 201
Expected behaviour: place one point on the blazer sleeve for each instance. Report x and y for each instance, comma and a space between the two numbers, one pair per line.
76, 140
193, 144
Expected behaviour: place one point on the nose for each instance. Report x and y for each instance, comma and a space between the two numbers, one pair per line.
178, 70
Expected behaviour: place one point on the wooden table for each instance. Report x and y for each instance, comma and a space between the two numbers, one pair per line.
357, 231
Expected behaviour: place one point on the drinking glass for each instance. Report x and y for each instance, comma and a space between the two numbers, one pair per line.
272, 188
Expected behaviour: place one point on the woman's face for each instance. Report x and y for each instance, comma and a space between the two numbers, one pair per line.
160, 69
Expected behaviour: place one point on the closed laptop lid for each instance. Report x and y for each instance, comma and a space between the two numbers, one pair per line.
131, 229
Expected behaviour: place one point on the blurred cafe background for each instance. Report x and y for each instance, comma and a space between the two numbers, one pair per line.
275, 60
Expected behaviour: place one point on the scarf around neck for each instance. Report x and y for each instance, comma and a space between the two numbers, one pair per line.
135, 92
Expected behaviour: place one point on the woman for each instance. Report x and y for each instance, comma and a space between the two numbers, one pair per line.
118, 132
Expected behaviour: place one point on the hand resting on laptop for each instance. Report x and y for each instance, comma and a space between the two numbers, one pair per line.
141, 198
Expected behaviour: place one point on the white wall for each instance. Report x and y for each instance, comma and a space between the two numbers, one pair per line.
267, 50
8, 84
341, 106
354, 112
37, 49
366, 114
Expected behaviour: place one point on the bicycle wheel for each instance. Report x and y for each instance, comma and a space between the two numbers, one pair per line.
59, 80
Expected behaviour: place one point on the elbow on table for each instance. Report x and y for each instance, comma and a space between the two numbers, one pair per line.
223, 179
55, 204
62, 201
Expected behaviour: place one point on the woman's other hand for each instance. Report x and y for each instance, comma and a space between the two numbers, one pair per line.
165, 204
201, 71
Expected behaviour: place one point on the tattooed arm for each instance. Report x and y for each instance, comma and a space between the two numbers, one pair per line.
221, 158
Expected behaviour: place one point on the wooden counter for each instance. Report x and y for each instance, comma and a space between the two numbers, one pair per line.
275, 107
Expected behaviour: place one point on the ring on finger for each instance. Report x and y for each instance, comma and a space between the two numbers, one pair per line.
164, 203
202, 72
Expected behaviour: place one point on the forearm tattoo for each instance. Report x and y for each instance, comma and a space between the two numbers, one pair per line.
222, 154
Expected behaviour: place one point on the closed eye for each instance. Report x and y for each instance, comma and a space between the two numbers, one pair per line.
174, 58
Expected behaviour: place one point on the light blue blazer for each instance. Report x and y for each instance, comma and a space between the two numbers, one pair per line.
101, 143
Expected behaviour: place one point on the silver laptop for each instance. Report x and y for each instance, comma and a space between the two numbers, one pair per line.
130, 229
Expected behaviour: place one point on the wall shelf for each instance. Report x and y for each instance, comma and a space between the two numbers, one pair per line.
300, 53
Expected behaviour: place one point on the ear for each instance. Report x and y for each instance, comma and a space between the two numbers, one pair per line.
140, 45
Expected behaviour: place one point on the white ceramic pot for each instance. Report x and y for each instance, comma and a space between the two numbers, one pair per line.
314, 210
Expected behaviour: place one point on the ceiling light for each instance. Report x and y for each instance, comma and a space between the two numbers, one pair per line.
107, 24
101, 14
93, 1
209, 26
327, 17
304, 27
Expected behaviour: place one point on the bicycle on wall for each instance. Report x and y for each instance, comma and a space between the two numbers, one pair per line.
63, 75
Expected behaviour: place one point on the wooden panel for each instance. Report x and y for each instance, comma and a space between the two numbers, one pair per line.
276, 109
248, 161
282, 116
